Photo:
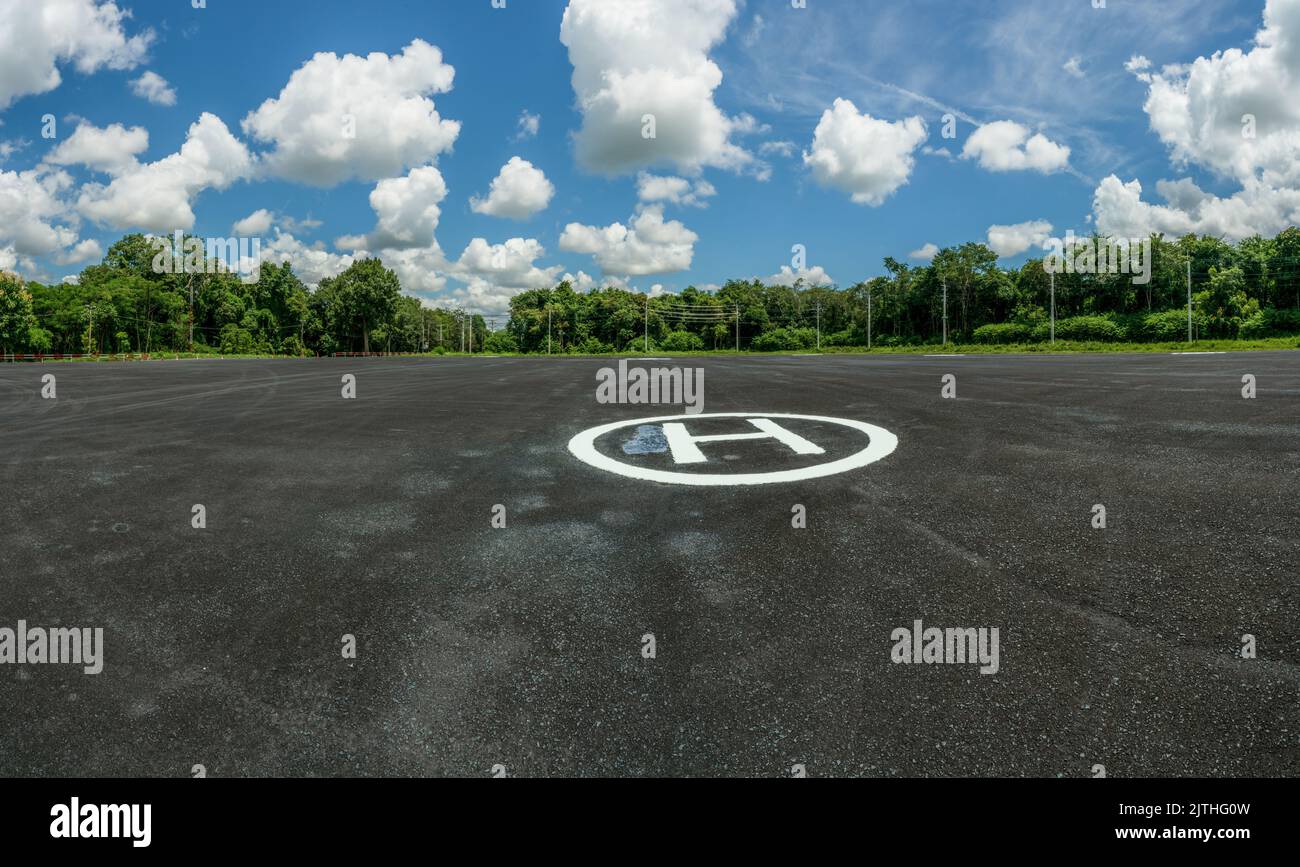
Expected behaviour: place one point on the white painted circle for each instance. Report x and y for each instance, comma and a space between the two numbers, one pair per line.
882, 445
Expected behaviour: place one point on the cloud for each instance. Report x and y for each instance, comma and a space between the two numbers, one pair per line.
159, 196
861, 155
1013, 240
1205, 113
257, 223
312, 263
581, 282
32, 214
519, 191
495, 273
1073, 67
36, 37
926, 253
648, 246
631, 59
510, 264
814, 276
1006, 146
529, 125
153, 87
674, 190
785, 149
407, 211
348, 117
112, 149
84, 251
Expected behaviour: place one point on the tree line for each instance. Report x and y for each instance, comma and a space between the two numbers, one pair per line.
123, 305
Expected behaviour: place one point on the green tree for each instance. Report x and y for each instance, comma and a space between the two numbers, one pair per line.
16, 318
367, 298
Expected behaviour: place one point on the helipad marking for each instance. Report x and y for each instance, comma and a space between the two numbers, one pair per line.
882, 444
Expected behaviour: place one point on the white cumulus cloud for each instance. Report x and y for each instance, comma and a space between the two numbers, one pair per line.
519, 191
1006, 146
153, 87
1234, 113
159, 196
674, 190
632, 59
348, 117
37, 36
112, 149
787, 276
925, 253
1016, 239
257, 223
866, 157
648, 246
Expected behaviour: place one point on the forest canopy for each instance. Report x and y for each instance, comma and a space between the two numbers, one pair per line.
122, 305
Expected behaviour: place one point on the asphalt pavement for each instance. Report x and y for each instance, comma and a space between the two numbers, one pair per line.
524, 647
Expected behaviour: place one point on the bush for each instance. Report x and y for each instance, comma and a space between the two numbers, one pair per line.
1271, 323
1089, 328
291, 345
236, 341
1003, 333
848, 337
785, 339
41, 340
682, 341
591, 346
1167, 326
501, 343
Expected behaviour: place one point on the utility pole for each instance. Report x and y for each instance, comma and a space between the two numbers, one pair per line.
1052, 276
945, 311
90, 314
737, 327
548, 330
647, 325
868, 319
1189, 300
819, 325
191, 288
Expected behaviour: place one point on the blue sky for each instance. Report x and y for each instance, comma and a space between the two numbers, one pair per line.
1071, 104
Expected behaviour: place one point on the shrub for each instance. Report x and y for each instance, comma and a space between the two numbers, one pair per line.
1271, 323
40, 340
291, 345
682, 341
1089, 328
1003, 333
848, 337
1167, 326
785, 339
591, 346
501, 343
236, 341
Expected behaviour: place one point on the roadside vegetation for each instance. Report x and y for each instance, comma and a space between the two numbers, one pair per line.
1244, 296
